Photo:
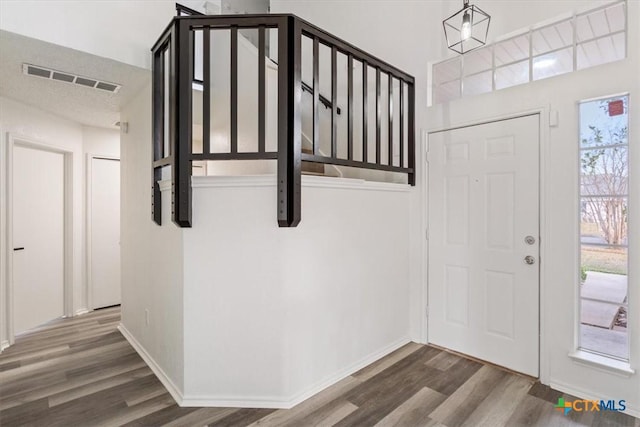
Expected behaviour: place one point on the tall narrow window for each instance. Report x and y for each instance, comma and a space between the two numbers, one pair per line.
604, 172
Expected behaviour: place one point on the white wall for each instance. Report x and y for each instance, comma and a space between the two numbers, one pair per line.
31, 123
560, 221
276, 314
404, 33
120, 30
152, 255
101, 141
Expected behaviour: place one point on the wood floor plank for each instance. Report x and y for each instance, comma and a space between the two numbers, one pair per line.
544, 392
93, 341
447, 382
415, 411
9, 365
242, 417
104, 364
500, 404
23, 386
444, 361
161, 416
95, 405
201, 417
7, 356
28, 413
82, 372
393, 377
96, 386
293, 416
63, 383
529, 412
462, 402
145, 395
387, 361
380, 395
79, 358
552, 417
338, 415
133, 413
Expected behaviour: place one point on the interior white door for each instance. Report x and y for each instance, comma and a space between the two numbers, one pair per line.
105, 232
483, 205
38, 237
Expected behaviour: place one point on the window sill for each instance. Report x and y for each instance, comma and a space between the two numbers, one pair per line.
602, 363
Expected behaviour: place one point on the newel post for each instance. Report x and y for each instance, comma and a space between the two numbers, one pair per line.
180, 81
289, 122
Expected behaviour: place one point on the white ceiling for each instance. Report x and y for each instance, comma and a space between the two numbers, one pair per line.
93, 107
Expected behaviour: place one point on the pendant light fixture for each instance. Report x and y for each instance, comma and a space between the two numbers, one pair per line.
466, 29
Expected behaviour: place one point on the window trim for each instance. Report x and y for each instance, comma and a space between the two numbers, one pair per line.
581, 355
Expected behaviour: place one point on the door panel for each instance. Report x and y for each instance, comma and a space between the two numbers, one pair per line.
38, 227
483, 202
105, 232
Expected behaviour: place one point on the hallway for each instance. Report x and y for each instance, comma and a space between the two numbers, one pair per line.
82, 372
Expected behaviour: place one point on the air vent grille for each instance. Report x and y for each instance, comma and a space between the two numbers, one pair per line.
43, 72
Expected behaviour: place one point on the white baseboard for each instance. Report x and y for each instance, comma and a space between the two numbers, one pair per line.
589, 395
4, 344
279, 403
81, 311
162, 376
254, 402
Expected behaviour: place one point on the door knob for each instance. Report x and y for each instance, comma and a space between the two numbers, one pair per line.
18, 249
529, 240
529, 260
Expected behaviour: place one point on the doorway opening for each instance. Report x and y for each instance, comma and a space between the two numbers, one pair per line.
483, 271
39, 233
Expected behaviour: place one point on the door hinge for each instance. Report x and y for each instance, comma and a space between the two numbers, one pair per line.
426, 311
428, 156
426, 233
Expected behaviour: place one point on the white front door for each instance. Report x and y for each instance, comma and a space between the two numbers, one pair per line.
483, 223
105, 232
38, 237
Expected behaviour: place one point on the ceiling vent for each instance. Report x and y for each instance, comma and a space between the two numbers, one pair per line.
38, 71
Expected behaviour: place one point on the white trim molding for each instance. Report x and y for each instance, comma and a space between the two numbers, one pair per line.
307, 181
274, 402
543, 148
11, 141
602, 363
88, 230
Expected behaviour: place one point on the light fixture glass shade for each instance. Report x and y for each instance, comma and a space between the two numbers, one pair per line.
466, 29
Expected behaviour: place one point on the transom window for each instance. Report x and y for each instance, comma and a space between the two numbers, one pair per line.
591, 38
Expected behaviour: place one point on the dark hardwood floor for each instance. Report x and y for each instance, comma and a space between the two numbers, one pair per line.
82, 372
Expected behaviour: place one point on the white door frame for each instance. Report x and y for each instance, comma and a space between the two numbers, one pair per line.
89, 159
20, 141
543, 113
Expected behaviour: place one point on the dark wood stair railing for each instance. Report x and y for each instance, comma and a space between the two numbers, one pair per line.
173, 76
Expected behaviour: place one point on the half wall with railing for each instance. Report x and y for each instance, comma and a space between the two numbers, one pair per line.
363, 119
